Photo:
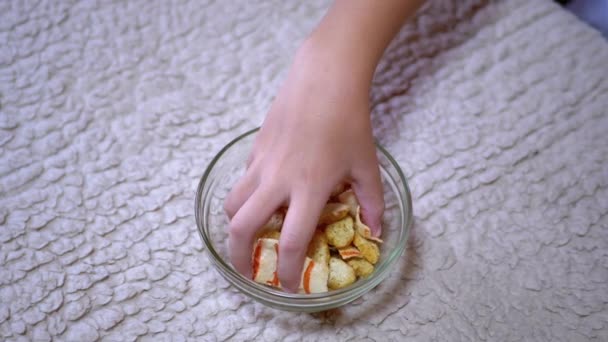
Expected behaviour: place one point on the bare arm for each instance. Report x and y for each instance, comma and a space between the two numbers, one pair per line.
358, 31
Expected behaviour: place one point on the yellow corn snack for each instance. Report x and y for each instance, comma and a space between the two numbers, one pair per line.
362, 267
369, 250
340, 234
340, 274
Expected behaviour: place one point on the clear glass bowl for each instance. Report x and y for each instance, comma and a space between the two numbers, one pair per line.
226, 168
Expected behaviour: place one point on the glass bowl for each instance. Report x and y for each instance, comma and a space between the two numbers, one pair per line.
223, 172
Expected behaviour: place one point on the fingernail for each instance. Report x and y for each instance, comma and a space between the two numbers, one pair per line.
377, 232
376, 228
374, 224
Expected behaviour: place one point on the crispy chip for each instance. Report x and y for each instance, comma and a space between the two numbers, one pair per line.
265, 262
333, 212
340, 274
349, 252
318, 248
265, 257
340, 234
369, 250
362, 267
314, 277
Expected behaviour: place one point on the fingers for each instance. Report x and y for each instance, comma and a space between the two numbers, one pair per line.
299, 226
368, 189
249, 218
239, 194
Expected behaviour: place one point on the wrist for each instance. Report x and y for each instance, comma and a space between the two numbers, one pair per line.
339, 60
355, 33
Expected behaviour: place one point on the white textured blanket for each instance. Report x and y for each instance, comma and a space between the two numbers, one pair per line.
110, 112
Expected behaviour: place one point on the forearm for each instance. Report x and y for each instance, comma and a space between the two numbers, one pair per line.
356, 32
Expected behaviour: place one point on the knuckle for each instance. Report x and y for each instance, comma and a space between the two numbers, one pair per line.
275, 175
309, 175
232, 200
229, 206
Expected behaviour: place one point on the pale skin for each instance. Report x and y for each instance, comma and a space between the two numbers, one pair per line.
317, 133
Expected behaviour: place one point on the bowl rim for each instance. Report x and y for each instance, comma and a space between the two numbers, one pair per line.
277, 297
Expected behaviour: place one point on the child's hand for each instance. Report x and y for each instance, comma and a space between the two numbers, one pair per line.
316, 134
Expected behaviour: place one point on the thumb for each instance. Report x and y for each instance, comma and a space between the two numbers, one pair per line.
367, 186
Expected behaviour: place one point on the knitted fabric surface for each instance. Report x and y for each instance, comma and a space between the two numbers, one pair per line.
110, 112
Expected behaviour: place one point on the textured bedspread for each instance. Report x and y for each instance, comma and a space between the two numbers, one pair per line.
110, 112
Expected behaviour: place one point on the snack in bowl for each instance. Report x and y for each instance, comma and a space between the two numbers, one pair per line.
340, 274
341, 250
333, 212
318, 248
362, 267
266, 251
340, 234
221, 176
